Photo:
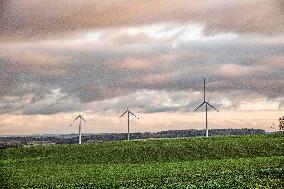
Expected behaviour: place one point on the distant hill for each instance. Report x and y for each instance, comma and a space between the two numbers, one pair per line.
15, 141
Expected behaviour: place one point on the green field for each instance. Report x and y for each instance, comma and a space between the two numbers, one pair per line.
255, 161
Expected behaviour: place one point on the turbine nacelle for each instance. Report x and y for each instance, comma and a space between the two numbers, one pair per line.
129, 112
206, 103
81, 117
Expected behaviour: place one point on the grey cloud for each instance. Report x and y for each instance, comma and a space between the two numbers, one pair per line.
147, 101
37, 19
94, 75
53, 102
153, 101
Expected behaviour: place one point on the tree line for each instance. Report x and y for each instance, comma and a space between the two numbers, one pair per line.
18, 141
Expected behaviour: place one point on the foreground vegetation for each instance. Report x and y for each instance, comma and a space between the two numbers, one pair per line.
255, 161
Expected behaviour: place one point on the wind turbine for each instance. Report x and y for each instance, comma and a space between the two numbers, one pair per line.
206, 108
80, 117
128, 112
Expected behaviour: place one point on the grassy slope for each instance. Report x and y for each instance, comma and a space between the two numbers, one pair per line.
221, 162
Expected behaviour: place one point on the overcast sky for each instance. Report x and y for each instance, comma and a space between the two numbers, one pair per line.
59, 58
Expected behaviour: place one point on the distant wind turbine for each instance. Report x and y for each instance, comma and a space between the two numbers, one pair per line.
206, 107
80, 117
128, 112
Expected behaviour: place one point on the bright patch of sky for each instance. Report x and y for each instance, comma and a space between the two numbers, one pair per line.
260, 104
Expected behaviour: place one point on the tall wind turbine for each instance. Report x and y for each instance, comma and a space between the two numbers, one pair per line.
80, 117
128, 112
206, 108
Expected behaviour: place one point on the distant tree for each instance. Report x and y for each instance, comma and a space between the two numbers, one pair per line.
281, 123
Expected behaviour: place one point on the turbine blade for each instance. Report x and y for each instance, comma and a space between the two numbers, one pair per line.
72, 122
204, 90
123, 114
133, 115
199, 106
212, 107
76, 118
83, 119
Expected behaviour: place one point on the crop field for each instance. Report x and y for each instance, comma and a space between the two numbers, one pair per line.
255, 161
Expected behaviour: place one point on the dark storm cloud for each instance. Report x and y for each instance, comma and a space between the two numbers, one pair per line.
36, 19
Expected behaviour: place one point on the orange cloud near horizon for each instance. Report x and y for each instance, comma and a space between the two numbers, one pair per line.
103, 123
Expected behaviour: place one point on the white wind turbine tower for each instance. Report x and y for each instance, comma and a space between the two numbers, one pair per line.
80, 117
128, 112
206, 108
